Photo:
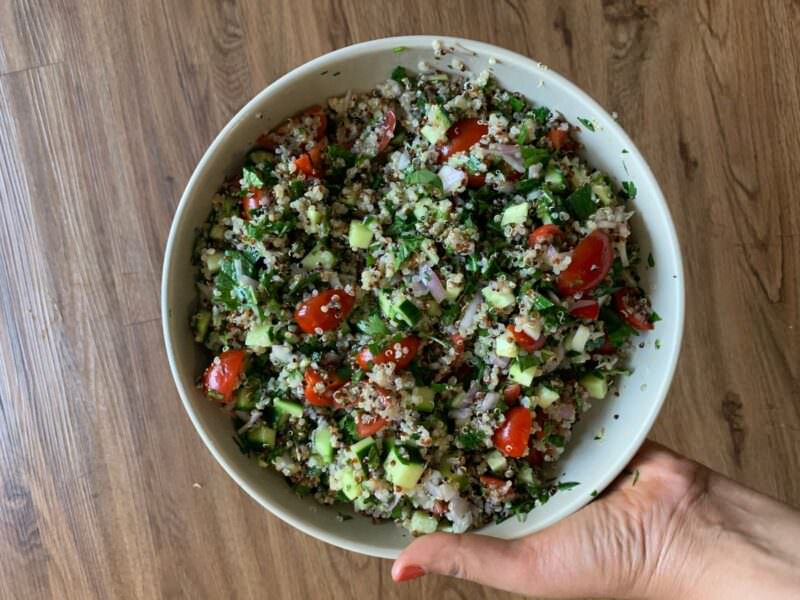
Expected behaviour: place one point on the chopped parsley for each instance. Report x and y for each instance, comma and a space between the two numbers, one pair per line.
629, 188
586, 123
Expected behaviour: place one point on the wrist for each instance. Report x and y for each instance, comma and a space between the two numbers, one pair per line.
745, 544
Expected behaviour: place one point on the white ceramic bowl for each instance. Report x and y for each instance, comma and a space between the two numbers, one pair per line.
360, 67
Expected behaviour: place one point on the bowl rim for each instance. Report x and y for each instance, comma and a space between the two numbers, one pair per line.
526, 63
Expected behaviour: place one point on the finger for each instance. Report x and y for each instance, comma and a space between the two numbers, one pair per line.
478, 558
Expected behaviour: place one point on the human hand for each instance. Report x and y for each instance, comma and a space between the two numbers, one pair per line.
673, 529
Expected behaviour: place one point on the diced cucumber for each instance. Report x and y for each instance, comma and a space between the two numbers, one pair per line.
422, 399
217, 232
554, 178
525, 474
245, 398
603, 192
361, 447
259, 336
452, 290
200, 323
386, 305
314, 215
422, 207
546, 395
499, 300
515, 214
522, 377
460, 480
595, 384
496, 461
284, 407
213, 261
318, 257
400, 471
422, 522
323, 444
261, 435
504, 346
350, 487
409, 312
578, 340
360, 235
435, 130
260, 156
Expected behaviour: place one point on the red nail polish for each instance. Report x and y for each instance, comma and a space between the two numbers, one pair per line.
410, 572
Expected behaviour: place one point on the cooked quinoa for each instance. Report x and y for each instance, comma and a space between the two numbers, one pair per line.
412, 294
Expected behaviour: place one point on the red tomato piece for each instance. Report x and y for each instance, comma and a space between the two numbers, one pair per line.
634, 308
475, 181
557, 137
586, 308
492, 482
524, 341
319, 388
366, 429
386, 131
253, 200
545, 234
511, 438
458, 343
607, 348
591, 261
512, 393
325, 311
535, 458
400, 353
222, 376
463, 135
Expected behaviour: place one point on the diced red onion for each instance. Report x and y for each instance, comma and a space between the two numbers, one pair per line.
254, 417
432, 281
460, 414
510, 153
489, 401
470, 313
451, 177
562, 412
471, 393
499, 361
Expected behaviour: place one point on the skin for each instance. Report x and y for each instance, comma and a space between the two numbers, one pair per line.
681, 531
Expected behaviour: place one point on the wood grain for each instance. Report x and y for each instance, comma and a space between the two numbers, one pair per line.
105, 107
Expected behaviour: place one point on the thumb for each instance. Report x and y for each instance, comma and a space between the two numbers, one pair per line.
478, 558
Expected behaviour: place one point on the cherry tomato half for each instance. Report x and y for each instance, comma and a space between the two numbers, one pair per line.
222, 375
586, 308
463, 135
545, 234
400, 353
634, 308
325, 311
511, 438
591, 261
386, 130
524, 341
253, 200
475, 181
319, 388
366, 429
512, 393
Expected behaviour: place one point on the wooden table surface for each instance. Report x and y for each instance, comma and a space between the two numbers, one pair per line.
105, 108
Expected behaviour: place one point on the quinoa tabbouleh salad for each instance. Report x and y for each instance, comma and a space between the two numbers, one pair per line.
412, 294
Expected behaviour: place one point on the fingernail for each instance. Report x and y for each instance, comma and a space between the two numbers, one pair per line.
409, 572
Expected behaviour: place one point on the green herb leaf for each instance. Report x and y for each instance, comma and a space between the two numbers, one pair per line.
251, 179
470, 439
651, 262
654, 317
629, 188
580, 202
398, 49
405, 248
542, 302
556, 440
532, 155
617, 330
425, 178
523, 134
399, 73
541, 114
567, 485
526, 186
586, 123
373, 326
